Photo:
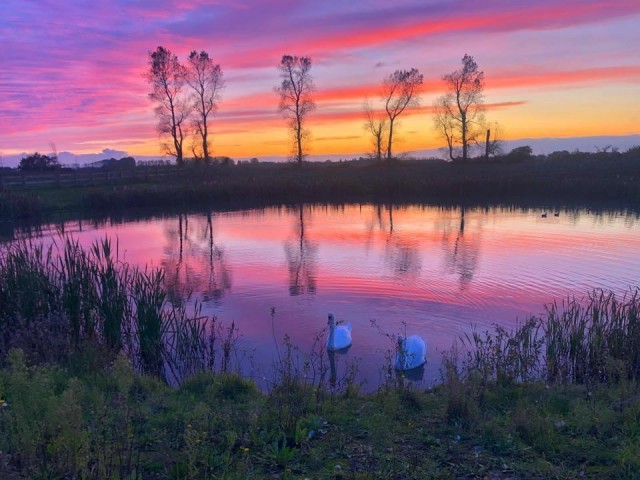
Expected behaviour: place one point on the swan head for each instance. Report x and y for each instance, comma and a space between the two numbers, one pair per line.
331, 320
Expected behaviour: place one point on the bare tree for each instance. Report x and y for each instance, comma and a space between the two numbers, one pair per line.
205, 79
401, 90
459, 112
376, 125
167, 78
295, 97
445, 125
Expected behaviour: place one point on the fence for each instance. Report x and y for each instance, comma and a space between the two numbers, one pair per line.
84, 177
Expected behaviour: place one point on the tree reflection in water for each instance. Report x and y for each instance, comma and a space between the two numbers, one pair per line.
193, 262
301, 256
461, 251
402, 253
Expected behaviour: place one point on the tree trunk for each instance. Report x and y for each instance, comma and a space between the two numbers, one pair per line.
178, 144
205, 146
174, 133
299, 138
464, 138
178, 148
299, 132
390, 139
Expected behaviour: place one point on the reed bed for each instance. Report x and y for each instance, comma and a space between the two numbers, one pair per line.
99, 298
588, 340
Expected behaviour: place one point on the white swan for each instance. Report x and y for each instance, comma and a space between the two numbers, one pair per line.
339, 336
411, 353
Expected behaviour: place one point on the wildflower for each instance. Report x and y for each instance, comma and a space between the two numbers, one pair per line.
245, 450
188, 425
3, 403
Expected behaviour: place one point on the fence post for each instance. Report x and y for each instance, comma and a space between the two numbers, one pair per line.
24, 180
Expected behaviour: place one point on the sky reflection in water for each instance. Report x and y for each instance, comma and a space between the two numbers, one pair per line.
424, 270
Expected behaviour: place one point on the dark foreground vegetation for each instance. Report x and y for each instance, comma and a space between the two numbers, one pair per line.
87, 346
561, 179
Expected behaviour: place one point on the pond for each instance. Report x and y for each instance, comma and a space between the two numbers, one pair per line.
425, 270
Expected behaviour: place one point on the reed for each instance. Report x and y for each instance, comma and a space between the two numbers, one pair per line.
99, 298
593, 340
579, 341
27, 288
149, 299
111, 281
505, 356
191, 343
76, 278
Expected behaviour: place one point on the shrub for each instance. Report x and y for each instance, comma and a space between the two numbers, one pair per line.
39, 162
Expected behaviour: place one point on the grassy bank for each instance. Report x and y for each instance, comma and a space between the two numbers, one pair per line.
114, 423
603, 179
87, 346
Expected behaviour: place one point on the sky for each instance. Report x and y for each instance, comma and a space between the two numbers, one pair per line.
72, 71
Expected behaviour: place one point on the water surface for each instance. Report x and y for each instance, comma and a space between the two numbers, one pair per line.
421, 270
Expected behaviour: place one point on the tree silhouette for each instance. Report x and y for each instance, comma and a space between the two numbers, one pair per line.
38, 161
459, 112
376, 126
401, 90
167, 78
295, 97
205, 79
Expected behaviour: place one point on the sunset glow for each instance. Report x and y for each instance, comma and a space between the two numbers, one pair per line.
72, 71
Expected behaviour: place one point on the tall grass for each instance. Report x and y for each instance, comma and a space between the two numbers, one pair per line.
26, 288
593, 341
111, 281
99, 298
580, 341
75, 274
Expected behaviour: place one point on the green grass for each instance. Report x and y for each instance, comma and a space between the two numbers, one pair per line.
115, 423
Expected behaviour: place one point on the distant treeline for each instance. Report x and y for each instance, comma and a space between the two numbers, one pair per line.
605, 179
